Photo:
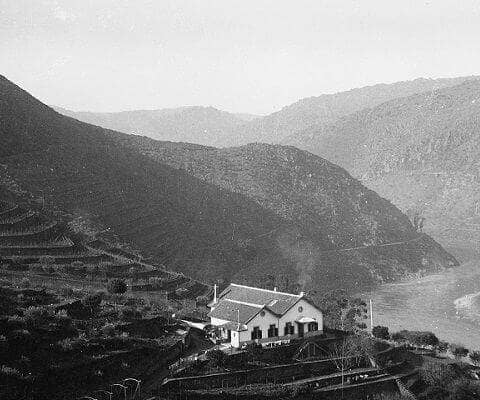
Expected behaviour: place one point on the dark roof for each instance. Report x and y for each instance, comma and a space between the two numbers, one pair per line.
227, 310
277, 302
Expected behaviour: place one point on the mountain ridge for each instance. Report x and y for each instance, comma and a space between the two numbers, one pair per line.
211, 229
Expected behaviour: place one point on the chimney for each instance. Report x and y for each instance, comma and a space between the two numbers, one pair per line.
215, 293
275, 289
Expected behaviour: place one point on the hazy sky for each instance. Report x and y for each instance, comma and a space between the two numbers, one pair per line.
242, 56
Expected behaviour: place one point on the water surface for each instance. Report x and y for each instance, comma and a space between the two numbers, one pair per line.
447, 303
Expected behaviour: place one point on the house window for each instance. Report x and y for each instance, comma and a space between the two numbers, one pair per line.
312, 326
256, 333
289, 329
272, 331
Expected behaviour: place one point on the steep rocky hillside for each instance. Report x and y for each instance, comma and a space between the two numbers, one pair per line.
346, 229
204, 125
422, 152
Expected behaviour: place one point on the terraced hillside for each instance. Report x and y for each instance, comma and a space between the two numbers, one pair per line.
33, 245
179, 220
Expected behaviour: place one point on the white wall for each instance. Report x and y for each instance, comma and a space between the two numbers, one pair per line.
294, 314
263, 322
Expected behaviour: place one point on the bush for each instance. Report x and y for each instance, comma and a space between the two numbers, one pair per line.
117, 286
458, 350
418, 338
37, 315
216, 358
475, 357
380, 332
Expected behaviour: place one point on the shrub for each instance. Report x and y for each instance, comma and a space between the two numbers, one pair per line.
117, 286
216, 358
380, 332
475, 357
458, 350
37, 315
418, 338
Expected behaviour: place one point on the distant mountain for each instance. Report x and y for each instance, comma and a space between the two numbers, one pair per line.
203, 125
211, 127
234, 214
422, 152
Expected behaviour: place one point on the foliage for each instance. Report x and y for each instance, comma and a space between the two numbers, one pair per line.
474, 357
343, 312
351, 352
380, 332
437, 374
37, 315
216, 358
117, 286
417, 338
458, 350
254, 351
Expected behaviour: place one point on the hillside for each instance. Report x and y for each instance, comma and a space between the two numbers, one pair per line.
346, 228
212, 127
203, 125
165, 213
421, 152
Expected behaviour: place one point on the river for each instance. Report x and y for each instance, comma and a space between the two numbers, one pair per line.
447, 303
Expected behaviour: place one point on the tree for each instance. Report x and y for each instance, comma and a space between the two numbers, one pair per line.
343, 312
380, 332
117, 286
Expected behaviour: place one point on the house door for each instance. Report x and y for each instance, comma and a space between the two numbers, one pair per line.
300, 330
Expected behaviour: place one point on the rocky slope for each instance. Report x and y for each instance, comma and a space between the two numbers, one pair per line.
421, 152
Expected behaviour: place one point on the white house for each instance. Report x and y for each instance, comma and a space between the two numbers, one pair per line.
244, 314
